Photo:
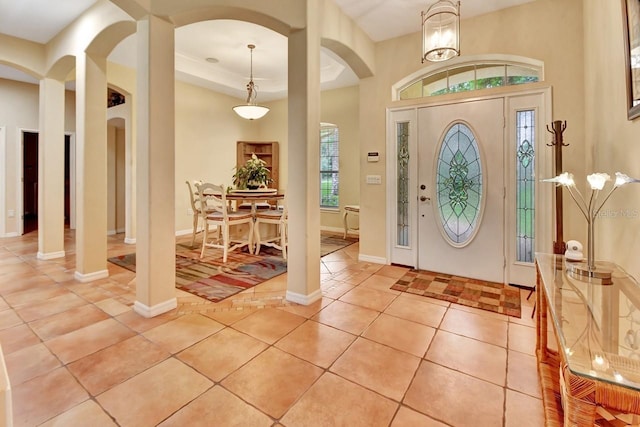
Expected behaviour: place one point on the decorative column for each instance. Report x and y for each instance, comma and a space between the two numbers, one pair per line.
155, 169
51, 170
91, 167
303, 187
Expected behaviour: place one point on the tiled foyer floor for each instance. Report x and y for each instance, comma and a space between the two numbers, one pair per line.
77, 355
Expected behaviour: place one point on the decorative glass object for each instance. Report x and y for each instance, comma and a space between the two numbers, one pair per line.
402, 238
459, 184
525, 185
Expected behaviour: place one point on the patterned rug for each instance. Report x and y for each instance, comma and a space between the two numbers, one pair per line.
488, 296
214, 280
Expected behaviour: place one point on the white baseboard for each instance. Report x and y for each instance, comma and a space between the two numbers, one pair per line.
111, 232
148, 312
304, 299
129, 241
50, 255
185, 232
373, 259
90, 277
12, 234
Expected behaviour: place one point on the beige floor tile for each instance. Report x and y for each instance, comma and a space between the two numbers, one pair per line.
269, 325
380, 283
413, 338
377, 367
334, 289
522, 373
87, 340
104, 369
222, 353
393, 271
229, 316
522, 339
307, 311
409, 418
112, 307
17, 338
523, 410
31, 406
455, 398
49, 307
178, 334
368, 298
166, 387
29, 363
31, 295
316, 343
68, 321
334, 401
483, 328
9, 319
417, 310
220, 408
273, 381
141, 324
476, 358
347, 317
88, 413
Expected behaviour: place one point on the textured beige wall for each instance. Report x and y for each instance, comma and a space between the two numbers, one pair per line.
613, 142
547, 30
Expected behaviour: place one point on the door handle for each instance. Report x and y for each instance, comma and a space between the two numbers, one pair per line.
424, 198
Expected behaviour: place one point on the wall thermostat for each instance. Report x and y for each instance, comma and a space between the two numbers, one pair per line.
373, 156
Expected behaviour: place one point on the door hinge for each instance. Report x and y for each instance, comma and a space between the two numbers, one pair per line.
504, 122
504, 192
505, 262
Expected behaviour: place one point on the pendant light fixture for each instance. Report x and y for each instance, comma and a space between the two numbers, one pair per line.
251, 110
441, 31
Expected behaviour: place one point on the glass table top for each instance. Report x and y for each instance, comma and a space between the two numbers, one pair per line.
598, 325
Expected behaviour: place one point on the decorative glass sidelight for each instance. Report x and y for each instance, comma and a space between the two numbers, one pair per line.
525, 185
459, 185
402, 157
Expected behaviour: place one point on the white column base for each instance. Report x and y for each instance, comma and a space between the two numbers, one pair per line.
84, 278
148, 312
6, 406
304, 299
50, 255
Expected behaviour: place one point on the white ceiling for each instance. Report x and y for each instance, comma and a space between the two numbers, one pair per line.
226, 41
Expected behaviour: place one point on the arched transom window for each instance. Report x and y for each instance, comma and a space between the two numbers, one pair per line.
467, 74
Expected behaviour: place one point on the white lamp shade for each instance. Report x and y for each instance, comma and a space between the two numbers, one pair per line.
441, 31
250, 112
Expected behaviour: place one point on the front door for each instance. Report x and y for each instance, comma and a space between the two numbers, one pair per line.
461, 189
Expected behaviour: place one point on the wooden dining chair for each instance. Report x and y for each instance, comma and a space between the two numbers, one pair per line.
219, 213
278, 217
195, 208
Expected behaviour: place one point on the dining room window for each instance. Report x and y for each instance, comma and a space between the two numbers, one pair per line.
329, 166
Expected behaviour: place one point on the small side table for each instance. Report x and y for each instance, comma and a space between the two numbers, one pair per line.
353, 209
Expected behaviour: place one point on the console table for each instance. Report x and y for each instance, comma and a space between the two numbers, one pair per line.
593, 378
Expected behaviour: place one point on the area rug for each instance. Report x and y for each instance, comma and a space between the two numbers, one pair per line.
481, 294
212, 279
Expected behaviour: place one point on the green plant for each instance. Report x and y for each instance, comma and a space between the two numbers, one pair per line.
253, 173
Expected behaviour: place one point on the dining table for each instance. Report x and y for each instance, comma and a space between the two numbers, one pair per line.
254, 197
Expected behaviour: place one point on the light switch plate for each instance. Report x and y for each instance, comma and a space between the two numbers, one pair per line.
374, 179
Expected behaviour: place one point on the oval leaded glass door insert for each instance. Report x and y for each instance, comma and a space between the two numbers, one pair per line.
459, 185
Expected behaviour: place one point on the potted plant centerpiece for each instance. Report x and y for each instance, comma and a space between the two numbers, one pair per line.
252, 175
